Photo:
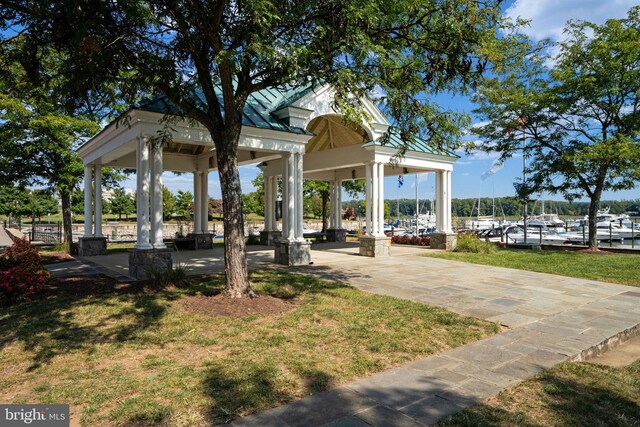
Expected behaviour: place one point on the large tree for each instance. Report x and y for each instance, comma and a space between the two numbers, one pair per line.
208, 56
44, 117
576, 107
121, 202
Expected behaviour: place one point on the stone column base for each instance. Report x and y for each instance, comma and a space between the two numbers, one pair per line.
269, 238
202, 240
443, 241
92, 245
292, 253
375, 246
336, 235
142, 260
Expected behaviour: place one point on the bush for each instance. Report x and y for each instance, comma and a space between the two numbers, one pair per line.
411, 240
23, 254
23, 274
162, 276
18, 284
470, 243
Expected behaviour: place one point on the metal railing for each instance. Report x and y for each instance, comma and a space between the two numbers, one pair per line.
46, 232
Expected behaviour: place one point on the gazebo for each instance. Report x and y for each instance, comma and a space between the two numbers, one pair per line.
293, 134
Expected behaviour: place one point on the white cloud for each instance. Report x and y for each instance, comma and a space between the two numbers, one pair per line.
548, 17
484, 155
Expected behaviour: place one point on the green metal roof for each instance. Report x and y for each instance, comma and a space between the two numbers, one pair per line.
257, 111
260, 106
419, 145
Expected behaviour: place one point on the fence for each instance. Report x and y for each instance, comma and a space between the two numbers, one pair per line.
13, 223
46, 232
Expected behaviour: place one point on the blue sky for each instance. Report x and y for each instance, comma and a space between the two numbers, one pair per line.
547, 19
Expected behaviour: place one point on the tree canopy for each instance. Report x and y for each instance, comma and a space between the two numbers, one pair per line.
208, 56
578, 110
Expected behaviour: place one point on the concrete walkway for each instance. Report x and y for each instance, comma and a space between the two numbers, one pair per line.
550, 318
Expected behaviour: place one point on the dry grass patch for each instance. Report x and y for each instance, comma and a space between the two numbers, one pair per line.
128, 354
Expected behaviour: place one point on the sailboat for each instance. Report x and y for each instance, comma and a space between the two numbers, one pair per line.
543, 219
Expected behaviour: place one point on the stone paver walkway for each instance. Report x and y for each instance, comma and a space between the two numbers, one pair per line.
552, 319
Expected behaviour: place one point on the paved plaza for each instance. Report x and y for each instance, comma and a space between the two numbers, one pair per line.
549, 319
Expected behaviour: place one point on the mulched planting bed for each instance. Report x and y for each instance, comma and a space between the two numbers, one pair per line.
220, 305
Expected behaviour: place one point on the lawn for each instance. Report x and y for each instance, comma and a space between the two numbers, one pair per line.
607, 267
123, 354
570, 394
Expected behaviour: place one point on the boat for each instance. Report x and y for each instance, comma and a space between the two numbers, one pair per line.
581, 236
541, 235
622, 231
543, 219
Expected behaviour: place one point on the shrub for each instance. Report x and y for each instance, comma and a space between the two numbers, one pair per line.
23, 254
18, 284
412, 240
23, 273
470, 243
162, 276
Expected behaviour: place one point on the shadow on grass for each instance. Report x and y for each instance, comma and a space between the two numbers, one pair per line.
79, 313
571, 397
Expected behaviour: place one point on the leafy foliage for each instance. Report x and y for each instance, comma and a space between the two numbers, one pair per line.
411, 240
122, 203
22, 274
578, 112
470, 243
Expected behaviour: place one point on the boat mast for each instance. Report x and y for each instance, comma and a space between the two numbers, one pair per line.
522, 121
417, 204
493, 200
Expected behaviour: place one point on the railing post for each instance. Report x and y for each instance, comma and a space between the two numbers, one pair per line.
610, 235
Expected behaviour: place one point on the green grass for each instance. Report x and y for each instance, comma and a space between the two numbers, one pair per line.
123, 357
570, 394
607, 267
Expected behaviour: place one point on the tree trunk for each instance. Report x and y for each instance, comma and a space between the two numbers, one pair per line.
235, 255
592, 222
67, 234
325, 200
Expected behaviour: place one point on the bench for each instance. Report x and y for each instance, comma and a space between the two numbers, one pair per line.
316, 236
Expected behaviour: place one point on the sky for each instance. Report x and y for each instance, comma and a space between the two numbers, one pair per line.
547, 19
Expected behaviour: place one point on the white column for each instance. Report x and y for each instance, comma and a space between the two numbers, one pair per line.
273, 200
267, 203
157, 220
299, 171
288, 197
439, 202
204, 203
375, 201
339, 207
88, 201
97, 185
368, 197
142, 191
197, 189
332, 202
447, 202
380, 196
